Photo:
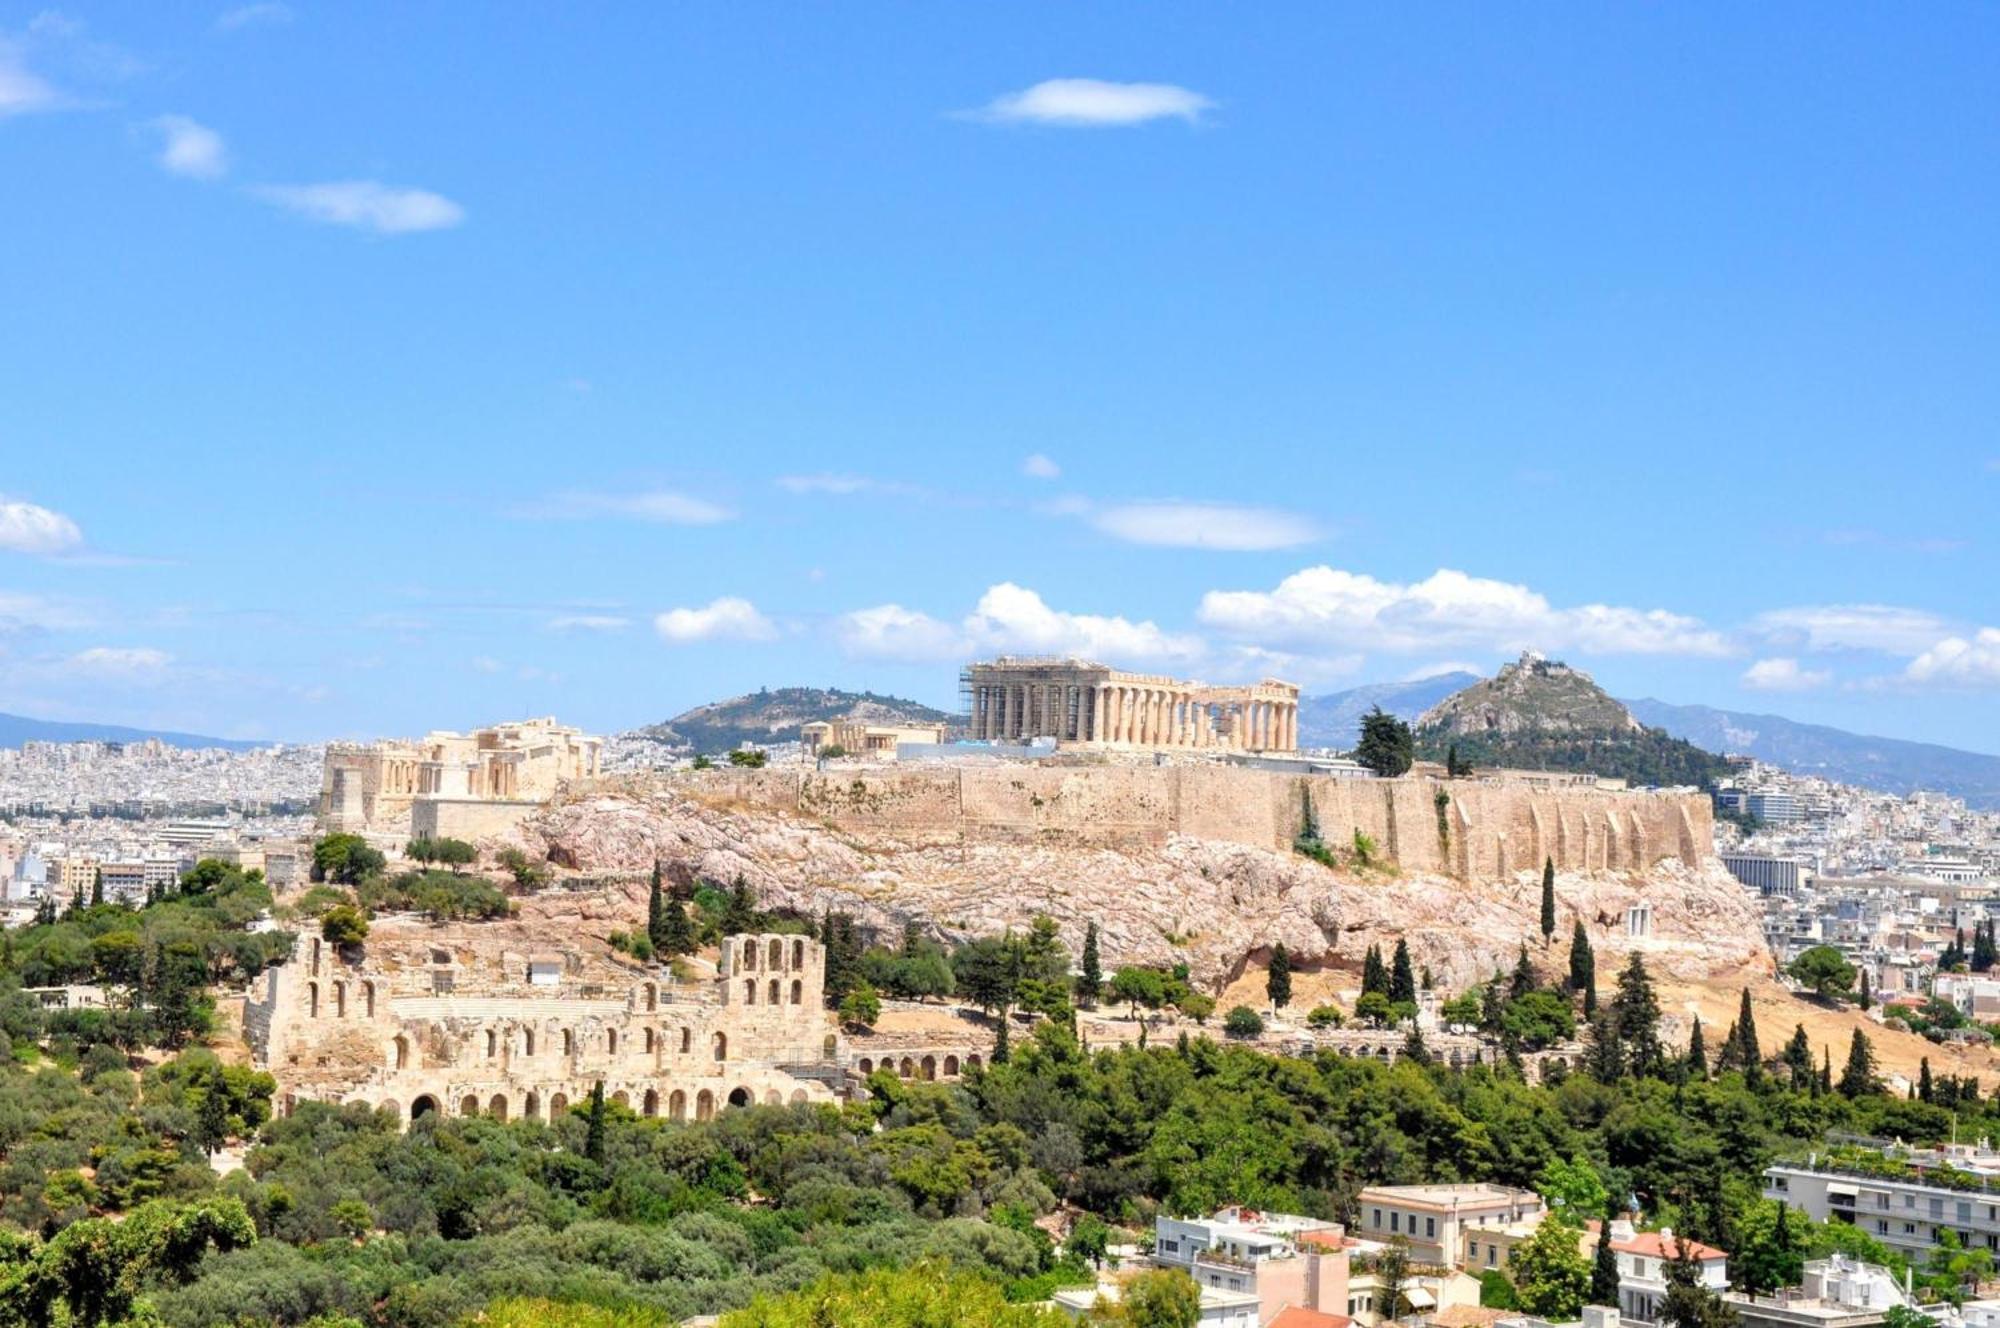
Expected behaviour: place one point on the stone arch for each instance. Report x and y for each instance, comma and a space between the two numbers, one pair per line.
531, 1106
687, 1040
649, 1105
312, 1000
772, 994
611, 1041
950, 1065
798, 1097
866, 1066
649, 1041
749, 956
468, 1105
558, 1104
798, 954
741, 1097
749, 991
497, 1108
569, 1042
492, 1043
973, 1062
652, 993
704, 1105
423, 1105
622, 1098
798, 992
527, 1041
907, 1069
720, 1042
399, 1053
775, 957
677, 1105
772, 1098
928, 1067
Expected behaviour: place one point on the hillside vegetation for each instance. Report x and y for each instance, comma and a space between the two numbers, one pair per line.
772, 715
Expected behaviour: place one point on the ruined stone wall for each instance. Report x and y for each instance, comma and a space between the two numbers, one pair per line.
470, 819
1469, 829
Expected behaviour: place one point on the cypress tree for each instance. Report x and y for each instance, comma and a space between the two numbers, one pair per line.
1825, 1069
1001, 1051
741, 914
1858, 1079
1746, 1036
1867, 997
656, 914
1798, 1058
1402, 978
677, 931
1926, 1091
1603, 1057
1090, 981
1548, 900
1583, 969
1697, 1057
97, 888
1637, 1012
1373, 976
1604, 1267
1731, 1056
593, 1139
1278, 977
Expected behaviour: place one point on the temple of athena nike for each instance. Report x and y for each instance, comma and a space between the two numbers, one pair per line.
1019, 699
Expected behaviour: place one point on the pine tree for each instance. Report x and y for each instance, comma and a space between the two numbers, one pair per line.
1697, 1057
741, 914
1090, 981
1825, 1069
1731, 1055
1523, 980
1402, 978
1926, 1090
1583, 969
1746, 1036
1637, 1012
1858, 1079
656, 914
1374, 977
1414, 1049
593, 1139
1278, 978
677, 931
1798, 1058
1604, 1268
1603, 1057
1001, 1051
1548, 900
1867, 997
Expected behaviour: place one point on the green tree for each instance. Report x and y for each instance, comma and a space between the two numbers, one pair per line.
1550, 1272
1374, 977
1858, 1079
1278, 978
1386, 745
656, 911
593, 1139
1573, 1189
1688, 1303
1243, 1022
97, 1270
1090, 977
860, 1007
1375, 1007
1583, 968
1604, 1268
1866, 998
343, 924
1402, 979
1749, 1054
1088, 1239
1161, 1298
741, 914
1548, 900
1392, 1271
676, 931
1825, 970
928, 1294
1697, 1052
1139, 987
1636, 1011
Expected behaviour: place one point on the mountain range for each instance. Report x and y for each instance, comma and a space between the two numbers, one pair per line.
17, 729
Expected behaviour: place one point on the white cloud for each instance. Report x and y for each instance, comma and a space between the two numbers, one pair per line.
1783, 674
838, 486
28, 528
119, 661
190, 149
366, 205
1186, 525
245, 16
1883, 627
1959, 662
1094, 103
1442, 667
1327, 607
1009, 618
724, 619
662, 506
588, 622
486, 664
1037, 466
22, 612
22, 90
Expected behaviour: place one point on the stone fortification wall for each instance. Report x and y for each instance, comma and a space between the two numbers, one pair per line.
1469, 829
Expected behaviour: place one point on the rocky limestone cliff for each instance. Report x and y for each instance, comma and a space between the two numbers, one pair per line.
1532, 693
1209, 899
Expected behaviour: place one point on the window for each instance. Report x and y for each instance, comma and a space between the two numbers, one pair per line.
1395, 1221
1375, 1218
1431, 1227
1489, 1255
1882, 1226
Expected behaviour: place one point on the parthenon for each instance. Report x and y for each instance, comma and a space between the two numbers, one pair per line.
1018, 699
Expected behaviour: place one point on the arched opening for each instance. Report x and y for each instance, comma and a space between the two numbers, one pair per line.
798, 1097
704, 1105
558, 1104
771, 993
777, 955
972, 1062
652, 997
650, 1104
740, 1097
907, 1069
677, 1105
468, 1106
721, 1046
315, 958
611, 1040
647, 1041
312, 1000
399, 1054
749, 956
749, 991
492, 1043
531, 1106
340, 1000
866, 1065
569, 1043
798, 954
394, 1110
687, 1041
622, 1098
497, 1108
929, 1067
771, 1098
528, 1041
423, 1106
798, 992
950, 1066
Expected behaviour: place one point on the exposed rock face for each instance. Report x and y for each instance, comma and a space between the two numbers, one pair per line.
1159, 861
776, 715
1532, 693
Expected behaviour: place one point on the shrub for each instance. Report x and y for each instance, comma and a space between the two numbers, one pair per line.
1243, 1022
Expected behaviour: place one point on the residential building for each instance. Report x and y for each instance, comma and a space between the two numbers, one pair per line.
1906, 1213
1280, 1258
1435, 1219
1643, 1257
1219, 1309
1836, 1293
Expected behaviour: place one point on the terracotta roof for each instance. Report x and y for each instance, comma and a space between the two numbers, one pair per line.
1468, 1316
1650, 1245
1298, 1316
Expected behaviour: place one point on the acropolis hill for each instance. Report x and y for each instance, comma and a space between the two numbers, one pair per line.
1186, 862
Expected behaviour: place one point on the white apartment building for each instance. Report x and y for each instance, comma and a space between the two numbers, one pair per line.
1906, 1214
1279, 1259
1643, 1257
1434, 1219
1836, 1293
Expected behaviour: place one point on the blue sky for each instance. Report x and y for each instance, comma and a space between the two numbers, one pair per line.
366, 369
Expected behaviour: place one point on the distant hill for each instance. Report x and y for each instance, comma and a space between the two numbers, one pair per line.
1890, 764
17, 729
775, 715
1541, 714
1334, 720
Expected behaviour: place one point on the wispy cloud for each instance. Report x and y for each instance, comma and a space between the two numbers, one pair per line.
1192, 525
250, 16
1888, 628
588, 622
29, 528
1784, 674
22, 90
840, 485
661, 506
1327, 607
366, 205
726, 619
21, 611
190, 149
1008, 617
120, 662
1090, 103
1037, 466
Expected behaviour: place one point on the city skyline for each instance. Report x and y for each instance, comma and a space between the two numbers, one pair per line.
346, 393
